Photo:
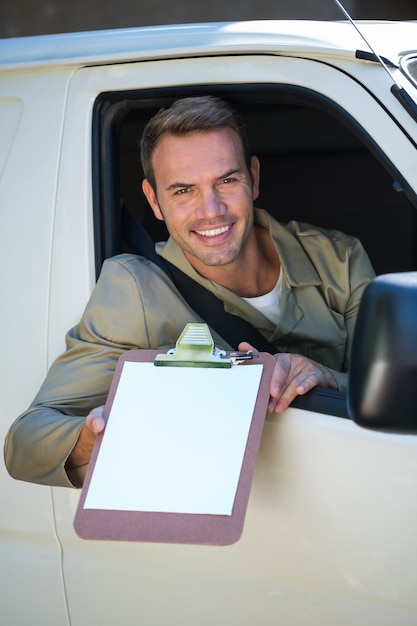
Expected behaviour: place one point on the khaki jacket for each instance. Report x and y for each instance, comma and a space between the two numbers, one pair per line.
135, 305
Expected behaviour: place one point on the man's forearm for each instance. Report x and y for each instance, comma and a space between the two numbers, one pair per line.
81, 452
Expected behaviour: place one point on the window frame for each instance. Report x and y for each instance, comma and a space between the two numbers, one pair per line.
110, 109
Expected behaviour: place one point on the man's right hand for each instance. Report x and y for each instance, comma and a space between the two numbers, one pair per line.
81, 453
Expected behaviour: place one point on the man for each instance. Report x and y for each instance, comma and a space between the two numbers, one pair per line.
300, 286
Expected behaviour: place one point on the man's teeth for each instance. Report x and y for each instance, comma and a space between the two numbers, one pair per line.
213, 232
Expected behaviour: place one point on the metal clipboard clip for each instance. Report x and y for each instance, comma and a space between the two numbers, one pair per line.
195, 348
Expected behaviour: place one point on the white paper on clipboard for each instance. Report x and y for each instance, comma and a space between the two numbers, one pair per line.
175, 439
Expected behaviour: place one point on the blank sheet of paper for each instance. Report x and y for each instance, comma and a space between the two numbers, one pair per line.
175, 439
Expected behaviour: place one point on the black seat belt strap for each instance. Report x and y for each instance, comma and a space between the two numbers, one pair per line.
232, 328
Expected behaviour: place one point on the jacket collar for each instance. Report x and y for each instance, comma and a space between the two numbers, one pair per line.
295, 263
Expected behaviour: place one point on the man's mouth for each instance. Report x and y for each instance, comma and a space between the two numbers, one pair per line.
213, 232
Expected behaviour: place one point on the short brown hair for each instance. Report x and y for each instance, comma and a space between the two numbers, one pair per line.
188, 115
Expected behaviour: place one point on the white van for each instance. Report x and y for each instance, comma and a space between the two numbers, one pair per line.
330, 531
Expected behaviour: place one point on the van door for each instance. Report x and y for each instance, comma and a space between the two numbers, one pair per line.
32, 108
329, 532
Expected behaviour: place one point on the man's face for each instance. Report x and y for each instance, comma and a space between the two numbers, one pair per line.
205, 194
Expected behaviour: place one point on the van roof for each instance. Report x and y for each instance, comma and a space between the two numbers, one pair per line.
289, 37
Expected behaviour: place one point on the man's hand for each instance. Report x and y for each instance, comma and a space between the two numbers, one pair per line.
93, 425
293, 376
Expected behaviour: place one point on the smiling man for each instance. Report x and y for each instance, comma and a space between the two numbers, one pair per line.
204, 192
298, 285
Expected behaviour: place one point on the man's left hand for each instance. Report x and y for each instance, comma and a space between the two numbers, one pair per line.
293, 376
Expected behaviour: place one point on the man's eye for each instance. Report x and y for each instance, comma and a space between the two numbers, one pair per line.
182, 191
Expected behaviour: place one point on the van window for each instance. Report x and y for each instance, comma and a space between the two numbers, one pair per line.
317, 166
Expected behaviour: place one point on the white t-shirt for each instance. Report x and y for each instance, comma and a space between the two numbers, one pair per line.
270, 303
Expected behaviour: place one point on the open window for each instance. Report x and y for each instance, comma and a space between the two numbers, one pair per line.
317, 165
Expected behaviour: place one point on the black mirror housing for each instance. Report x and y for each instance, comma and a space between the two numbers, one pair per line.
382, 389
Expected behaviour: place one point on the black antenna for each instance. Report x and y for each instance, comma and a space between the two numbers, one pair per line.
397, 90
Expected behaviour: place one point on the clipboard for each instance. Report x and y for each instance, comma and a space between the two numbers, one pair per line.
121, 506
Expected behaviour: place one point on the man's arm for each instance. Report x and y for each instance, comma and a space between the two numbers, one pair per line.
295, 374
51, 436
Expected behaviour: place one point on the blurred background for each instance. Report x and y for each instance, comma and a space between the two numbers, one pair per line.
40, 17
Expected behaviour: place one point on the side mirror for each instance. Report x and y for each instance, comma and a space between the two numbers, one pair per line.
382, 390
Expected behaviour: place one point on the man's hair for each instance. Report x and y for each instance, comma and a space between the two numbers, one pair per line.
185, 116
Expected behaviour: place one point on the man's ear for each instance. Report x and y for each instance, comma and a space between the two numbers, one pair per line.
151, 198
255, 167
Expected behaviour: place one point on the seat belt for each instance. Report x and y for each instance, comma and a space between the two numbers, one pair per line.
232, 328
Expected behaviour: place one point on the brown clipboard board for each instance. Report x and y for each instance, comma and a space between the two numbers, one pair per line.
149, 526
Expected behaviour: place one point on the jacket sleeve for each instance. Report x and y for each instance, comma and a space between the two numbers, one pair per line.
359, 273
40, 440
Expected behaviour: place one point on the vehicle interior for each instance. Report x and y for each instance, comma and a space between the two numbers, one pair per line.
317, 166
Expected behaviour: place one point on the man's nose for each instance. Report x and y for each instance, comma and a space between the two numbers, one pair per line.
211, 203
